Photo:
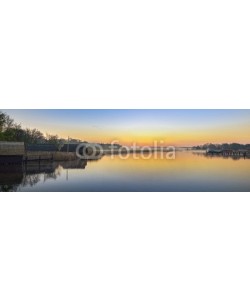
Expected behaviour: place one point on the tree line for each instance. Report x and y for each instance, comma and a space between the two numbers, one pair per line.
13, 132
224, 146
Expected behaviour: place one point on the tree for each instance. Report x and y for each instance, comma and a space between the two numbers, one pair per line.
52, 139
33, 136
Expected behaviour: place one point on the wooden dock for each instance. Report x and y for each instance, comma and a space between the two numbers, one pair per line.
15, 153
229, 153
38, 158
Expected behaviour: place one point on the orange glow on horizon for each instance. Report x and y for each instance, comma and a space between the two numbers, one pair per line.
178, 138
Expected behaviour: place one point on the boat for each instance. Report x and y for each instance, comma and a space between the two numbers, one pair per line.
214, 151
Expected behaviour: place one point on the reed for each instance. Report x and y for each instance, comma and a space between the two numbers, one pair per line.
57, 156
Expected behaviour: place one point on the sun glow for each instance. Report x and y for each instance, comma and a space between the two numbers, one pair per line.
143, 127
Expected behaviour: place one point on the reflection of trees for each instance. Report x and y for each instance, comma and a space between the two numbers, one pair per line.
34, 173
8, 188
12, 177
50, 176
213, 155
236, 157
31, 180
75, 164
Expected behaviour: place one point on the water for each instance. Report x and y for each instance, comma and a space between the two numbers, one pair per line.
187, 172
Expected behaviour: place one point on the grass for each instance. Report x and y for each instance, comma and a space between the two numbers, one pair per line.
57, 156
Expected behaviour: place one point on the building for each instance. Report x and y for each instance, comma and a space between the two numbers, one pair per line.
11, 152
42, 148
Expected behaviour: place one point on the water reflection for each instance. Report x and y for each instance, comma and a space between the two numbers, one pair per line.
216, 155
10, 178
189, 171
13, 177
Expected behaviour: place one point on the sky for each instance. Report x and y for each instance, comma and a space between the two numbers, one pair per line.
143, 127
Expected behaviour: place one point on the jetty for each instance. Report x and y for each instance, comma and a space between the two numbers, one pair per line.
14, 153
229, 152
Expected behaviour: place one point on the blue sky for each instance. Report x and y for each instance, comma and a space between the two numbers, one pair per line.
142, 126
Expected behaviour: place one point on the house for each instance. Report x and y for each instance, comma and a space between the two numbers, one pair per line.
11, 152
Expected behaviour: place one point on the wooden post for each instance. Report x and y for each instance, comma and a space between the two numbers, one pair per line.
68, 145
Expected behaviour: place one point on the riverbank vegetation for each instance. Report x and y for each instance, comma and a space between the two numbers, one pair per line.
12, 132
224, 146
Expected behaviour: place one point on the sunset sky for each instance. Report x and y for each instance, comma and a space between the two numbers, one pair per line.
174, 127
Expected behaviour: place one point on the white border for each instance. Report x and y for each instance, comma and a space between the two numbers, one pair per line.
138, 54
116, 54
125, 246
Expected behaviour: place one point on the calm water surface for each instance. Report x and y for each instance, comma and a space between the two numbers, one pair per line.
188, 172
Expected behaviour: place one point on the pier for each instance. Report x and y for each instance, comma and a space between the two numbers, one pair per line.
38, 158
229, 152
15, 153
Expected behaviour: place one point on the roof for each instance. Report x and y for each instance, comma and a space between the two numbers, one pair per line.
42, 147
69, 147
